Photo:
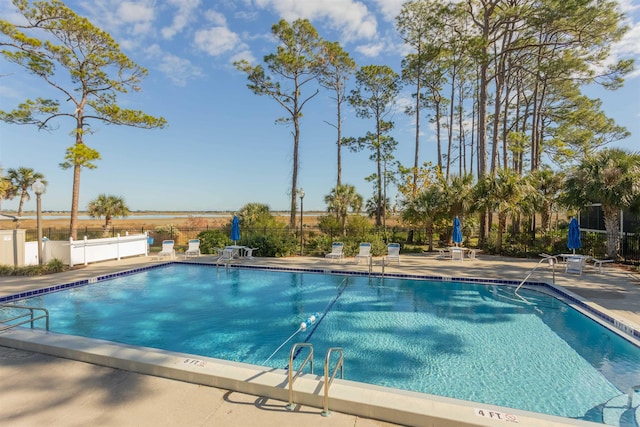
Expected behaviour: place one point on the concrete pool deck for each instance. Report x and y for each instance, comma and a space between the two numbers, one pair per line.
46, 390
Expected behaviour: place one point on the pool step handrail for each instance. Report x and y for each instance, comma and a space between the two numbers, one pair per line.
31, 317
309, 359
327, 380
552, 260
632, 391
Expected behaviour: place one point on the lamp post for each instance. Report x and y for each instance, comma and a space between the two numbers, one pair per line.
38, 188
301, 195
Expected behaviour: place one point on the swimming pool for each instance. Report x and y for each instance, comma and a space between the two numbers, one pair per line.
467, 341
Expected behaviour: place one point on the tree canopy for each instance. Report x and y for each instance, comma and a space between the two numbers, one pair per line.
85, 66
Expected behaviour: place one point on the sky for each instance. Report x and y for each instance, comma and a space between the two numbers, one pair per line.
222, 148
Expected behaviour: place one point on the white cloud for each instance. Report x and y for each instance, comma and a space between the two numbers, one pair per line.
184, 15
350, 17
216, 40
243, 55
140, 15
390, 8
629, 46
216, 18
371, 50
8, 92
179, 70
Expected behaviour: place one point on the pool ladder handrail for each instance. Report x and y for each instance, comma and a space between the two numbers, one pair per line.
327, 380
552, 260
31, 315
296, 347
632, 390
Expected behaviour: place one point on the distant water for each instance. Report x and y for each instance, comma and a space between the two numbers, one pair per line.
150, 216
164, 216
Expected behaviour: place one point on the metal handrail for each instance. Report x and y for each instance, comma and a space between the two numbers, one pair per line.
551, 259
327, 380
292, 377
31, 315
632, 390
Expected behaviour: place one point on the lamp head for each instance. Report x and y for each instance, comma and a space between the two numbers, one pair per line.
38, 187
301, 193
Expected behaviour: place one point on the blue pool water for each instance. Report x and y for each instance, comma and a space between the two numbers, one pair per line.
466, 341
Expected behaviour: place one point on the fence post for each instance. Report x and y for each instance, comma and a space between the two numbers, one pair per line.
85, 250
70, 252
118, 246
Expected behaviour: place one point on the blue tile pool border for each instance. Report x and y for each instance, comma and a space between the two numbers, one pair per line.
612, 322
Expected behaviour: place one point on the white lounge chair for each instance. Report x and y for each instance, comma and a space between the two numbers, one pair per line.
457, 254
364, 254
193, 249
167, 249
225, 255
393, 253
575, 264
443, 253
248, 252
336, 252
598, 263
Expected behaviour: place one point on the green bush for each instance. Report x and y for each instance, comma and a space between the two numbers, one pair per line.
273, 244
357, 225
330, 225
6, 270
212, 239
166, 232
55, 266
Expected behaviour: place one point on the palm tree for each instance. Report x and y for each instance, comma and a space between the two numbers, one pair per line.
503, 193
108, 206
6, 189
610, 177
429, 206
254, 213
548, 184
22, 179
458, 191
341, 198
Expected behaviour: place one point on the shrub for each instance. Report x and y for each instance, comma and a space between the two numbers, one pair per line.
330, 225
212, 239
357, 225
55, 266
166, 232
6, 270
273, 244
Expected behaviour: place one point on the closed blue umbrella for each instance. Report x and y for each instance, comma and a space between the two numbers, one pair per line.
457, 231
574, 235
235, 229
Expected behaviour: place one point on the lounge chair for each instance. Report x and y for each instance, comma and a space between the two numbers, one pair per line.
336, 252
193, 249
364, 254
443, 253
393, 253
575, 264
457, 254
225, 255
598, 263
248, 252
167, 249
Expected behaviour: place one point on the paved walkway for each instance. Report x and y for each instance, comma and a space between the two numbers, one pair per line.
43, 390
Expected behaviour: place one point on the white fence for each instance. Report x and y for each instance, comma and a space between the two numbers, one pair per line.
74, 252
